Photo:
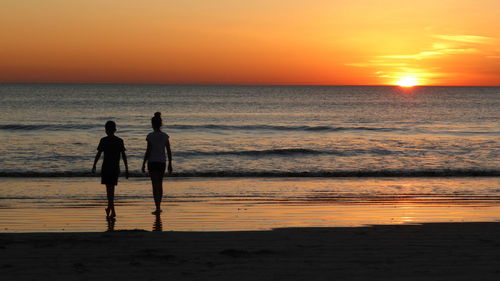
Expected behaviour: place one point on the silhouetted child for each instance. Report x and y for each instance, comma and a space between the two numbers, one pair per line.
158, 142
112, 146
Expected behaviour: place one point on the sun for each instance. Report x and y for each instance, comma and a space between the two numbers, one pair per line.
407, 82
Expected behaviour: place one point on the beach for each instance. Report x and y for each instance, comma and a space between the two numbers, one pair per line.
252, 228
269, 182
453, 251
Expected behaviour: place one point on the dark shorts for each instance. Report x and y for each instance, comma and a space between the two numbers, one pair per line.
157, 167
109, 175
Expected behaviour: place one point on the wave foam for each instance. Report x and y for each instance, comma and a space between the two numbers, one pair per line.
251, 174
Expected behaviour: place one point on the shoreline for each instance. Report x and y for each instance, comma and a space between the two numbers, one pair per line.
432, 251
222, 204
437, 173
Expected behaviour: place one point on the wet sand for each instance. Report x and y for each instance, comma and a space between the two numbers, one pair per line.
450, 251
240, 204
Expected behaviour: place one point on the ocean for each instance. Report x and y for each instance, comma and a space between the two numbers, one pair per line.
252, 157
256, 131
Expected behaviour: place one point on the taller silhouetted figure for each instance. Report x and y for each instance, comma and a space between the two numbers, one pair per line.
157, 143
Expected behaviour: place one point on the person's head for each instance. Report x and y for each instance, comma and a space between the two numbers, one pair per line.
110, 127
156, 121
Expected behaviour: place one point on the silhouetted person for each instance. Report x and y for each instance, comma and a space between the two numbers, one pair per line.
113, 147
156, 158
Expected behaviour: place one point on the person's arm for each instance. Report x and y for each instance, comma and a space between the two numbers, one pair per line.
124, 157
169, 155
146, 157
97, 156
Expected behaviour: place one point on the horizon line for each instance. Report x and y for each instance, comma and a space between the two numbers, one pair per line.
236, 84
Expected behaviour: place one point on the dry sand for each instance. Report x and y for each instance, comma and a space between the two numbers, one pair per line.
453, 251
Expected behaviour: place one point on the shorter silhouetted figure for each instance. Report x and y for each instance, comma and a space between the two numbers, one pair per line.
113, 147
157, 141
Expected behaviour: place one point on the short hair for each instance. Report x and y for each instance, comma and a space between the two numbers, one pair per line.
110, 126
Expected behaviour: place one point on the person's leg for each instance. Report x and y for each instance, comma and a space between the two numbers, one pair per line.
159, 187
152, 175
156, 172
156, 181
161, 174
110, 191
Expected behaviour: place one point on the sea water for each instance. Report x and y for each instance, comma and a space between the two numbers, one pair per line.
252, 157
256, 131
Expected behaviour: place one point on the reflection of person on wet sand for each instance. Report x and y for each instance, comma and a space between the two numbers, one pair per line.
113, 147
158, 142
111, 224
157, 225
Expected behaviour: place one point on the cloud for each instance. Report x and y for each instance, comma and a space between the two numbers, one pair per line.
431, 64
465, 38
461, 51
355, 64
439, 50
418, 56
373, 63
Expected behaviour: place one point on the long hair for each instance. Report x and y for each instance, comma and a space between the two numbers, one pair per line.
156, 121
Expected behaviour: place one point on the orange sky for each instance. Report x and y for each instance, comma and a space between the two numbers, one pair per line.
343, 42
